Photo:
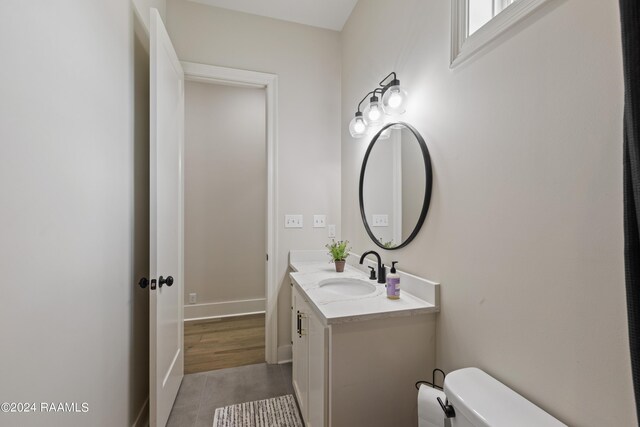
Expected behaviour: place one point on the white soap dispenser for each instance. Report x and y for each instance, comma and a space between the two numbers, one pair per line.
393, 282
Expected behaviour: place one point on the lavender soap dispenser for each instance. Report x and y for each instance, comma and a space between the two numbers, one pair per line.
393, 282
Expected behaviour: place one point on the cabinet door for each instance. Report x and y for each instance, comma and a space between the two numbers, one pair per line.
300, 349
317, 340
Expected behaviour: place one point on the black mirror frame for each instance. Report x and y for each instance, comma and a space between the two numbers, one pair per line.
427, 188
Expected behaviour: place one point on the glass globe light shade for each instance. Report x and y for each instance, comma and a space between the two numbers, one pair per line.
358, 127
373, 112
394, 100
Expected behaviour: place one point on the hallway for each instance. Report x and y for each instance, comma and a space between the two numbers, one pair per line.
223, 343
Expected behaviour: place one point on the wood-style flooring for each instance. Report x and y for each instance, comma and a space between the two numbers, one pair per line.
223, 343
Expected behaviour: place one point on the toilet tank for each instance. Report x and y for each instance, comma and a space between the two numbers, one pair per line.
480, 400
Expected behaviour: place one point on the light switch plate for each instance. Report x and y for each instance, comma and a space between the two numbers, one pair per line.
293, 221
380, 221
319, 221
193, 298
331, 231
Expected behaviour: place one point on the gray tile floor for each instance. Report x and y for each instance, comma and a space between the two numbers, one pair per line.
200, 394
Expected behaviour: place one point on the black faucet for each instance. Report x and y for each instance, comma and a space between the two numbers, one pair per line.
382, 272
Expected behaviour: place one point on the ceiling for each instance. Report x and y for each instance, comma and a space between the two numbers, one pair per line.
330, 14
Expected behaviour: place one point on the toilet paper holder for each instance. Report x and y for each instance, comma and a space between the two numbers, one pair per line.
432, 384
448, 410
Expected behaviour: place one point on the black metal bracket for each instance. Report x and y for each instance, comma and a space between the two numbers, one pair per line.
432, 384
365, 97
393, 82
395, 78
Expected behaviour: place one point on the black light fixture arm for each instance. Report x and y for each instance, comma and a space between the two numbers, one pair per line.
393, 82
393, 73
365, 97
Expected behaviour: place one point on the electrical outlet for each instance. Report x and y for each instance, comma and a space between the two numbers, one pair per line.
331, 231
319, 221
293, 221
193, 298
380, 221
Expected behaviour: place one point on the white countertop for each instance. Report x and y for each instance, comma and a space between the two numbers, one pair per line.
309, 270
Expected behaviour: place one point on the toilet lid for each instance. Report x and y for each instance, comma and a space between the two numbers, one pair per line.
486, 402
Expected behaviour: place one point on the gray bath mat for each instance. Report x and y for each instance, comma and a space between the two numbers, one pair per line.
276, 412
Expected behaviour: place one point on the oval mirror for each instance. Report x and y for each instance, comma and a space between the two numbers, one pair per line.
395, 185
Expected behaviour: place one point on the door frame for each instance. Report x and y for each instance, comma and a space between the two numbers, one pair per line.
236, 77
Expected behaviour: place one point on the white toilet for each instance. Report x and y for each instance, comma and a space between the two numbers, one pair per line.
480, 400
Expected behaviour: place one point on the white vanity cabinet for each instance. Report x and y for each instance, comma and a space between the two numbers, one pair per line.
359, 373
357, 357
309, 347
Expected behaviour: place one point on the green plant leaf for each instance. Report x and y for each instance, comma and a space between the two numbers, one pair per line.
339, 251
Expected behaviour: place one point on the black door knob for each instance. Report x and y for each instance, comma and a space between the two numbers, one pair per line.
143, 283
168, 281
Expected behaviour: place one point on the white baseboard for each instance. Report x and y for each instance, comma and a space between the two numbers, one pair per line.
285, 354
142, 420
223, 309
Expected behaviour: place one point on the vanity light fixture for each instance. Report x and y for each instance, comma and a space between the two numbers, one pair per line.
393, 103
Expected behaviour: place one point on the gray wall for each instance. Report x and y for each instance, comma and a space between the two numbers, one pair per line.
307, 62
525, 227
225, 193
72, 321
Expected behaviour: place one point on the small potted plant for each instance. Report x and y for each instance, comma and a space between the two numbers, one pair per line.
339, 253
387, 245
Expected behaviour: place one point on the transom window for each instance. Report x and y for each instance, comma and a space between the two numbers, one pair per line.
481, 12
475, 23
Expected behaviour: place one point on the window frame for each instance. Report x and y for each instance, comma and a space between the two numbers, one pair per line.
463, 46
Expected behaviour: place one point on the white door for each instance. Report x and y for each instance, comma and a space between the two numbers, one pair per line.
166, 222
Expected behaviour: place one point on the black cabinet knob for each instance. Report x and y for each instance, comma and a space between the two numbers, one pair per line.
143, 283
168, 281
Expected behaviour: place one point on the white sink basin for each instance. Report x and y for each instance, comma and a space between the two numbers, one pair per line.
347, 287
